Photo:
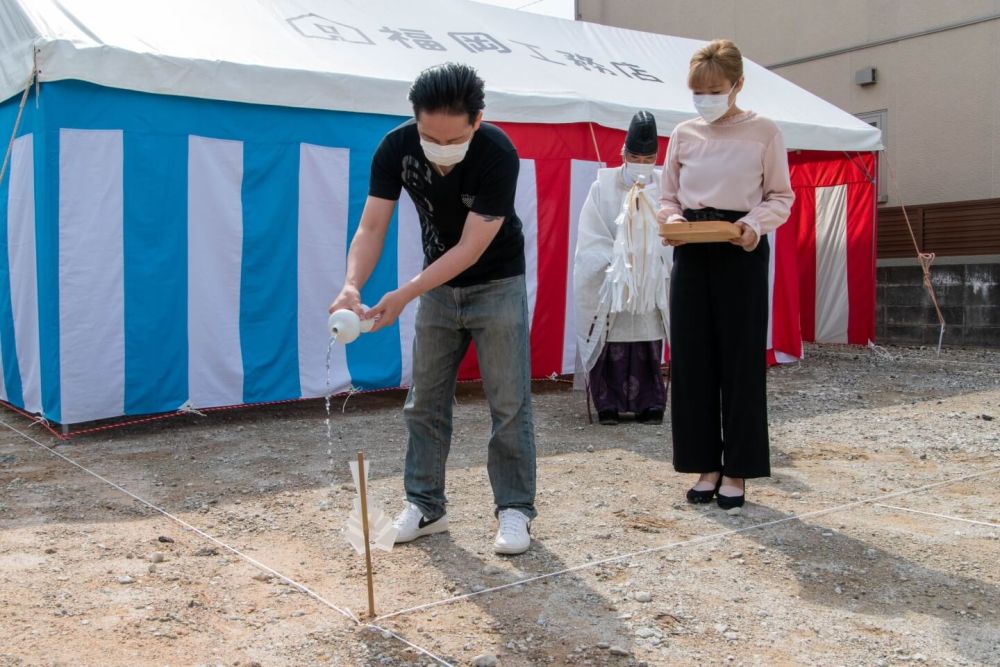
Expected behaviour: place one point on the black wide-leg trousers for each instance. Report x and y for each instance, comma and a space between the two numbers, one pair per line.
718, 359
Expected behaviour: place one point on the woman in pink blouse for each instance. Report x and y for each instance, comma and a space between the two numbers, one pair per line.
727, 164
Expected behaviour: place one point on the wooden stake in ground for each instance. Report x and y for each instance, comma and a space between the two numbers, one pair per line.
363, 491
366, 522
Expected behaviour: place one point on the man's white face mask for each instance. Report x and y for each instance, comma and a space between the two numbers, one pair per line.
636, 172
713, 107
447, 155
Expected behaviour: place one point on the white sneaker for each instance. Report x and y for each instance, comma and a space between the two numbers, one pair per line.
411, 524
512, 536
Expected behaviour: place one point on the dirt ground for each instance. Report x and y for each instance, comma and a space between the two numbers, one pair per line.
875, 542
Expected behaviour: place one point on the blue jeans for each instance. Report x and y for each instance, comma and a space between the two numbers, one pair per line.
494, 316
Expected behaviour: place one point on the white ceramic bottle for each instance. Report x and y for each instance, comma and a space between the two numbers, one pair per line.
345, 325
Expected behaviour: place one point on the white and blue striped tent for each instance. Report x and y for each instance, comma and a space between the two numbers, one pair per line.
191, 263
185, 176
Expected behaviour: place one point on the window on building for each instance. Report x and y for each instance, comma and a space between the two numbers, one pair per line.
878, 119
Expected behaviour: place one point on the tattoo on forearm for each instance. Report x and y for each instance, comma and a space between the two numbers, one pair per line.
491, 218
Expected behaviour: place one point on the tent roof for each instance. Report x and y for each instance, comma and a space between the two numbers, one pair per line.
362, 55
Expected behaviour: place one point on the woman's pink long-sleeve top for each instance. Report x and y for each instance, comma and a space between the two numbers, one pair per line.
736, 164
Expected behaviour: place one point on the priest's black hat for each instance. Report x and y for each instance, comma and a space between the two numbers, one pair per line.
641, 137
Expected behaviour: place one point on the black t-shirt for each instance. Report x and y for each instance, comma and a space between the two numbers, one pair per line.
484, 183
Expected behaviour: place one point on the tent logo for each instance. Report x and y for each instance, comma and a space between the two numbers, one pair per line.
314, 25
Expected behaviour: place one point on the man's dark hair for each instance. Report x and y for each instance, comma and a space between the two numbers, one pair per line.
452, 87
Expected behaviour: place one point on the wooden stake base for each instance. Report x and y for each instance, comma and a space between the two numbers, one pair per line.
703, 231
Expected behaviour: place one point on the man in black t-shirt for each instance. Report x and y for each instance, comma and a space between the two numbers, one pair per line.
461, 174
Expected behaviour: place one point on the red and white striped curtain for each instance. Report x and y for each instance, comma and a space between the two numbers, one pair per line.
822, 273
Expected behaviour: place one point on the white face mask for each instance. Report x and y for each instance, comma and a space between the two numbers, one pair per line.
713, 107
635, 171
445, 156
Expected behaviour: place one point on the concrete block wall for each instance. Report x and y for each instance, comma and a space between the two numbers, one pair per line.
968, 292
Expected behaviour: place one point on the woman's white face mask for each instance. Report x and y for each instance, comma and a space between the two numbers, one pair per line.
713, 107
447, 155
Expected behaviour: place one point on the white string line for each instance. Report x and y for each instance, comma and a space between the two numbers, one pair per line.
410, 644
941, 516
695, 540
250, 559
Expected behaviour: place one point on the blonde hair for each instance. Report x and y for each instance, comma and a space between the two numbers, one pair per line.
719, 59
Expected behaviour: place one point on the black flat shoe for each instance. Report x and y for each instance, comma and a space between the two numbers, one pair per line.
731, 502
608, 417
703, 497
651, 416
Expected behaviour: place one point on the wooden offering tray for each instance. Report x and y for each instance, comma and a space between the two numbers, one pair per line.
703, 231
